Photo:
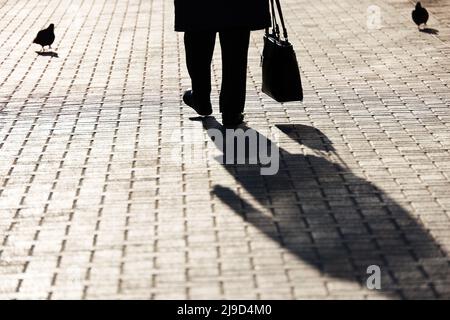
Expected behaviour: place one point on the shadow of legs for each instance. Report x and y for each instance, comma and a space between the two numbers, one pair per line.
340, 224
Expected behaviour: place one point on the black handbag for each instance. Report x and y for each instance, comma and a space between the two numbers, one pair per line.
281, 75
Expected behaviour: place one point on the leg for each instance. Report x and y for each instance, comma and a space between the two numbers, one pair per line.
234, 45
199, 48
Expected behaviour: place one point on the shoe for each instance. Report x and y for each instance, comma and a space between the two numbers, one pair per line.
232, 120
203, 110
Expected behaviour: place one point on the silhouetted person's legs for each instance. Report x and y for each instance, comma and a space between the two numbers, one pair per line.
199, 51
234, 45
199, 48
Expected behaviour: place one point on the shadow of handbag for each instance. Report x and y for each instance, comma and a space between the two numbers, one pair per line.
280, 71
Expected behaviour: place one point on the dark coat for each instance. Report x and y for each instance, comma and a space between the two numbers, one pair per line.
216, 15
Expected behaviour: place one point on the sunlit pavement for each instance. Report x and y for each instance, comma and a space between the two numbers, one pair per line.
108, 189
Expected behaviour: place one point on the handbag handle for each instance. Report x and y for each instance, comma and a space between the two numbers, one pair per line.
275, 26
280, 13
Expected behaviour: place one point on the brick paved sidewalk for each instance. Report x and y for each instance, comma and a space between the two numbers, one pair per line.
103, 195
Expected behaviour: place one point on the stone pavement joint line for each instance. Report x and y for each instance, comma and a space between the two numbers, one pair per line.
109, 190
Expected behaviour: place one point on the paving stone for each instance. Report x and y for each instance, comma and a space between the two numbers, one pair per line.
108, 190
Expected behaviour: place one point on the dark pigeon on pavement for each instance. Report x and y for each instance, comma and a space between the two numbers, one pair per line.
46, 37
420, 15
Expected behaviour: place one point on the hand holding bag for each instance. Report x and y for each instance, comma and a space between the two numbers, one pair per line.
281, 75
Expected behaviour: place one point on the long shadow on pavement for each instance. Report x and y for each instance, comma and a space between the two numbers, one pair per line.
338, 222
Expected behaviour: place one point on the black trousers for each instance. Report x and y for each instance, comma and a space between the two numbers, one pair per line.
199, 48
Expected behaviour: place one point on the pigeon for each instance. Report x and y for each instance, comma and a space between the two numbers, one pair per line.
46, 37
420, 15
